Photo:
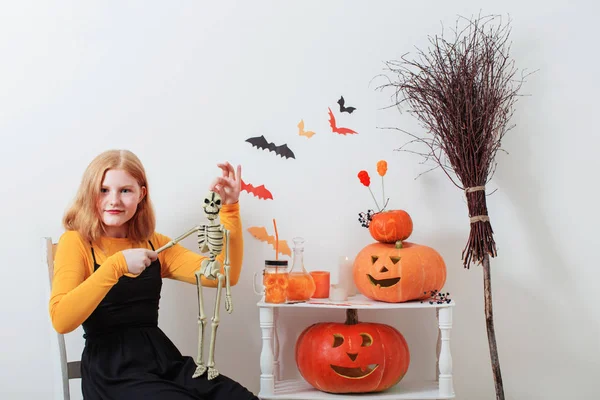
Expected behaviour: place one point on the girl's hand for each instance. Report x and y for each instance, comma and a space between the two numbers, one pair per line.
139, 259
229, 185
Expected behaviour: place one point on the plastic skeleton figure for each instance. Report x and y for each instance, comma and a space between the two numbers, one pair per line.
210, 239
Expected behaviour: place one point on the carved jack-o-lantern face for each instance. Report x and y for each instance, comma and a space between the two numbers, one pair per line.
398, 272
358, 371
351, 358
380, 274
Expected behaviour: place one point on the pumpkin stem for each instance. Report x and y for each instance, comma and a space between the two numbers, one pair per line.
399, 244
351, 316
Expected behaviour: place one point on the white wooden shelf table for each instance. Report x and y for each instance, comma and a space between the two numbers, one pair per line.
271, 387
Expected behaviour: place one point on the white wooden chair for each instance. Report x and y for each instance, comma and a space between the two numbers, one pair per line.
68, 370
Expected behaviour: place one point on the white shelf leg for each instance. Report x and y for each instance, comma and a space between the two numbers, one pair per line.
438, 347
267, 379
445, 361
276, 365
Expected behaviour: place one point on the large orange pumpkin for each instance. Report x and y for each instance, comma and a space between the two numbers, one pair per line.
355, 357
398, 272
390, 226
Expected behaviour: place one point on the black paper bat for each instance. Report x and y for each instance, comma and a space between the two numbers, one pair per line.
261, 143
341, 102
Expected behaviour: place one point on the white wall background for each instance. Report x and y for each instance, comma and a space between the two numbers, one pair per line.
184, 84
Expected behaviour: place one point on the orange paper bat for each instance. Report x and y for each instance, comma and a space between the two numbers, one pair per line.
261, 234
301, 130
259, 191
334, 128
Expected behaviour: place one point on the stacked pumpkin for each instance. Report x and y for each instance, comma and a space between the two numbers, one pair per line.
393, 270
358, 357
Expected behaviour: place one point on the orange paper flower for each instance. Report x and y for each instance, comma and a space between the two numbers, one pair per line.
364, 178
381, 170
382, 167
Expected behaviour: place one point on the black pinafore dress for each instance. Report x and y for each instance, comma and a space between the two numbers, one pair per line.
127, 356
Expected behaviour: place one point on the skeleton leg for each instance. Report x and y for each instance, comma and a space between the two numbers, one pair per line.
201, 368
212, 371
226, 268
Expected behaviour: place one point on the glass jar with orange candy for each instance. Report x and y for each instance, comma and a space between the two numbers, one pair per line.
275, 281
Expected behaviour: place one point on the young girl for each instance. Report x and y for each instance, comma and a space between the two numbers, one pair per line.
108, 278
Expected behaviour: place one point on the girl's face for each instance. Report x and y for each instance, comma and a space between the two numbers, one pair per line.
119, 197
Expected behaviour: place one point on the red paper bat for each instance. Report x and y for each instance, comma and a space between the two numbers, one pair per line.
260, 191
334, 128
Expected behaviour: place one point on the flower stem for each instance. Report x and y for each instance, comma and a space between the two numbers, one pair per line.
374, 198
382, 192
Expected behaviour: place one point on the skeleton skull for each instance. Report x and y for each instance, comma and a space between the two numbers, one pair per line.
212, 205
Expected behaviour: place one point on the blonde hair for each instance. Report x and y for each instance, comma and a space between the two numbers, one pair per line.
83, 215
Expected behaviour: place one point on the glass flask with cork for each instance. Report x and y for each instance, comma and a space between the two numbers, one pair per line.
301, 285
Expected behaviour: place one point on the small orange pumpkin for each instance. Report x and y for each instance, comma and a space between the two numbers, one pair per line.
400, 272
390, 226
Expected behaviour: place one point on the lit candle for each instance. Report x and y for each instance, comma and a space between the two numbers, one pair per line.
321, 279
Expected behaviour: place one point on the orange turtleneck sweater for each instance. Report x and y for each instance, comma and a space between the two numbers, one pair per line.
77, 289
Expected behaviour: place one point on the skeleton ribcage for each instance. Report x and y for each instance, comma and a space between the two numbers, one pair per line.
210, 239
